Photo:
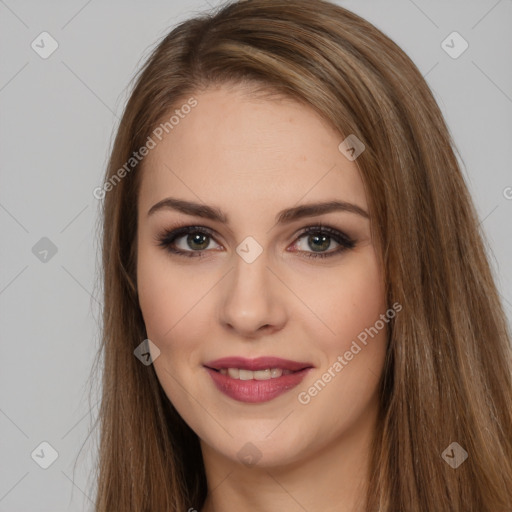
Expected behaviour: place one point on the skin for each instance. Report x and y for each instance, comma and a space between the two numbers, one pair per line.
252, 158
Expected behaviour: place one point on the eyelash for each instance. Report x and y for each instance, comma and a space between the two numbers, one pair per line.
167, 238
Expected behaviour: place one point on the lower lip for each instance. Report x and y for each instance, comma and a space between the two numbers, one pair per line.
256, 391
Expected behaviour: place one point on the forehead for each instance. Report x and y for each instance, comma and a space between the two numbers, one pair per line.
247, 154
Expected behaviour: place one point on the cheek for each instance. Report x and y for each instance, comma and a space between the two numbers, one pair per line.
173, 307
347, 301
363, 302
158, 301
163, 296
353, 351
356, 353
155, 300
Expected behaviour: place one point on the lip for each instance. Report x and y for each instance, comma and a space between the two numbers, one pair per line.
260, 363
256, 391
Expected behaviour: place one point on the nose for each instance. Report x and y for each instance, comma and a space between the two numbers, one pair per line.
253, 299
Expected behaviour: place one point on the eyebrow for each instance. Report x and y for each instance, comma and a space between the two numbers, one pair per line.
285, 216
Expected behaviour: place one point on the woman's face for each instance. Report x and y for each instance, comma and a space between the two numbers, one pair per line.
251, 282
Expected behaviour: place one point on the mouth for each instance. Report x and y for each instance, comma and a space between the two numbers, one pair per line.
243, 374
256, 380
261, 368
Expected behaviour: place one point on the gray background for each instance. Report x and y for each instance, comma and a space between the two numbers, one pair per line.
58, 116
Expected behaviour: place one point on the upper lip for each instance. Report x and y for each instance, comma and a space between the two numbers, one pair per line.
260, 363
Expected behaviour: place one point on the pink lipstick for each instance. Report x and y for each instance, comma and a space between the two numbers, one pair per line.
256, 380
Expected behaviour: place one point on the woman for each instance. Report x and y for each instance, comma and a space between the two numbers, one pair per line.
299, 311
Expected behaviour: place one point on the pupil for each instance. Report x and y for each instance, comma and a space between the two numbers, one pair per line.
198, 236
323, 238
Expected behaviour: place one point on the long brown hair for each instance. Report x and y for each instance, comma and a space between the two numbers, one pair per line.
448, 373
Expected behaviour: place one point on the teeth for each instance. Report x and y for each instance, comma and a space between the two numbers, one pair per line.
262, 374
241, 374
244, 374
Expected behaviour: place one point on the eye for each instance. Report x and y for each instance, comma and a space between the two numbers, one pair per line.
196, 240
320, 237
193, 241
